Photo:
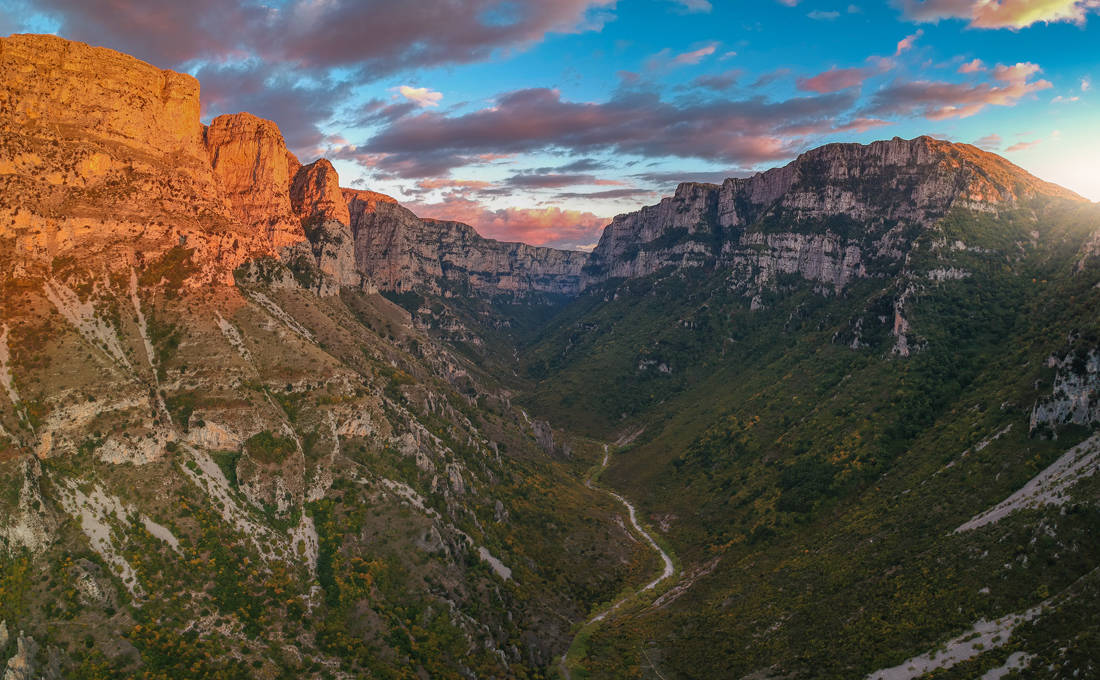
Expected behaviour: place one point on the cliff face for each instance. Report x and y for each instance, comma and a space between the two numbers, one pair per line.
401, 252
319, 204
102, 159
71, 87
253, 168
826, 216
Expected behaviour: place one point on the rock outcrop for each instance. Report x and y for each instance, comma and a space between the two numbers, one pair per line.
102, 159
319, 203
253, 168
827, 216
399, 251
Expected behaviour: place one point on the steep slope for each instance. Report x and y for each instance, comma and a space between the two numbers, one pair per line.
817, 410
208, 468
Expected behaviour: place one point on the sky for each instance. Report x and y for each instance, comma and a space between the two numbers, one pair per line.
539, 120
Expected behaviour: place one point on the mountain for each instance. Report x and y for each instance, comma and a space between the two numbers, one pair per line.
857, 397
222, 452
834, 420
829, 216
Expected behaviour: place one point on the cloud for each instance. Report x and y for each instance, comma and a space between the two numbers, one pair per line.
1013, 14
818, 15
665, 59
739, 133
906, 43
453, 184
550, 226
422, 96
695, 56
990, 142
834, 80
940, 100
1022, 146
275, 93
377, 37
770, 77
693, 6
536, 180
718, 81
1064, 100
1086, 84
861, 125
611, 194
974, 66
675, 178
269, 48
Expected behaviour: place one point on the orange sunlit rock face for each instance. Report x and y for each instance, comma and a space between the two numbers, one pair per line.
316, 194
104, 159
69, 86
253, 170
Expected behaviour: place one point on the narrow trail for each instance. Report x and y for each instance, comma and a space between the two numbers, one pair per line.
668, 571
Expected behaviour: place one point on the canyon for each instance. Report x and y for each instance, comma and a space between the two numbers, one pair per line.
257, 424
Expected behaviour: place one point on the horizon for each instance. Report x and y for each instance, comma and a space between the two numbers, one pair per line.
540, 122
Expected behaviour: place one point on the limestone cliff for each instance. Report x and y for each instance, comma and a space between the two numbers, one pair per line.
102, 159
319, 204
253, 168
401, 252
825, 216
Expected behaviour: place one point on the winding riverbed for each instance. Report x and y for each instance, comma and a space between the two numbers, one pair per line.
669, 567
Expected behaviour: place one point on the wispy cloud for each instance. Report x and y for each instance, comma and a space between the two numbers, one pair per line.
737, 133
693, 6
974, 66
549, 226
906, 43
1023, 146
991, 142
937, 100
835, 79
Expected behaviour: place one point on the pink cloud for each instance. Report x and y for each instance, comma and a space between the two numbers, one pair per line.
906, 43
421, 96
737, 133
453, 184
862, 125
990, 142
1013, 14
975, 66
941, 100
834, 80
1022, 146
551, 226
695, 56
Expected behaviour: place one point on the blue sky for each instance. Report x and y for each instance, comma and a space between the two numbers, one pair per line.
538, 121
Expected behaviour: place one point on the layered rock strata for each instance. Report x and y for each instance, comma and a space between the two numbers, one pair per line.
401, 252
827, 216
